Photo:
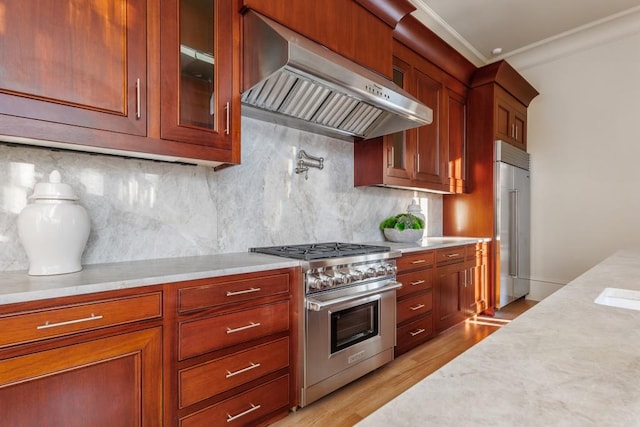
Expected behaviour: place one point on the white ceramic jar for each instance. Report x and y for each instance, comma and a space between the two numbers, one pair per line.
53, 229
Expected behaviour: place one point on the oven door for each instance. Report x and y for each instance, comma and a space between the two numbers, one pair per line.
346, 327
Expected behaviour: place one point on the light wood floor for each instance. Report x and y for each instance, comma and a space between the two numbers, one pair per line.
350, 404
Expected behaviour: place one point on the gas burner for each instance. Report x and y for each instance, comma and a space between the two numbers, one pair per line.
316, 251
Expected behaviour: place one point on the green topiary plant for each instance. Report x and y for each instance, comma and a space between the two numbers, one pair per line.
403, 221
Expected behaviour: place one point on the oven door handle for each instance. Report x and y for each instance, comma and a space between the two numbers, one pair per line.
315, 305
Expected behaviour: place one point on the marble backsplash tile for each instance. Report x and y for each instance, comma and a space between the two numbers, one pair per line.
143, 209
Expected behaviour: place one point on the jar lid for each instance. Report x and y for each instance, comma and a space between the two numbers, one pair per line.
54, 189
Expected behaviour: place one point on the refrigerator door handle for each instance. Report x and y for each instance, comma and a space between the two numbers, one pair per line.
513, 233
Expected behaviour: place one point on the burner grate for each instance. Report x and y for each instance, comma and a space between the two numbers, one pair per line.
315, 251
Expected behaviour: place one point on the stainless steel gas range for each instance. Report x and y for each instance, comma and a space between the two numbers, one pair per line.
349, 312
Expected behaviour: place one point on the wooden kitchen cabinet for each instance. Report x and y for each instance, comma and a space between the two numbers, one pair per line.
510, 119
414, 300
450, 287
90, 76
478, 278
233, 347
499, 96
77, 63
199, 103
430, 157
87, 361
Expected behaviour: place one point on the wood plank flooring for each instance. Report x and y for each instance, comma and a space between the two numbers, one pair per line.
350, 404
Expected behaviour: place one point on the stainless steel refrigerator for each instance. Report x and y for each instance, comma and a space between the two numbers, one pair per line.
513, 220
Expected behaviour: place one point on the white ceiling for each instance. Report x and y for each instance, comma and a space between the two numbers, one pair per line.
515, 25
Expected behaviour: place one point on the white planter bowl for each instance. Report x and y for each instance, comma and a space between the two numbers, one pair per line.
403, 236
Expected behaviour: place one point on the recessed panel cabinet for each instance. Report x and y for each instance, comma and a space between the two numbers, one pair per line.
157, 79
80, 63
431, 157
96, 363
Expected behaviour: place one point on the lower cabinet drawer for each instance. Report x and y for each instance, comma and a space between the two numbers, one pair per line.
414, 282
210, 378
27, 327
243, 409
203, 335
414, 306
415, 333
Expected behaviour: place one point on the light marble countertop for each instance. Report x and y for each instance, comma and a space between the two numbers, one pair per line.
18, 286
565, 362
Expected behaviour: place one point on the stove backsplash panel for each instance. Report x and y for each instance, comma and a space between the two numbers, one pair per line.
142, 209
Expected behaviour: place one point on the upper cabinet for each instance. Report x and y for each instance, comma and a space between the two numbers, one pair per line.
79, 63
90, 76
431, 157
198, 105
499, 91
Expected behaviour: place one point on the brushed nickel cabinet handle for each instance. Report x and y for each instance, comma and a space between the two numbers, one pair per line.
245, 291
248, 368
419, 261
416, 332
226, 109
452, 255
242, 328
416, 307
242, 414
48, 325
417, 282
137, 98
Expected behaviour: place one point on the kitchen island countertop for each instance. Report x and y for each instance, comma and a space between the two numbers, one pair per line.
18, 286
565, 362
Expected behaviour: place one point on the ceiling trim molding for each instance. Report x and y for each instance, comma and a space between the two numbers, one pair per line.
586, 36
605, 30
435, 23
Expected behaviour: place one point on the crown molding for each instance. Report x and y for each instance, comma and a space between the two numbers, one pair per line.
605, 30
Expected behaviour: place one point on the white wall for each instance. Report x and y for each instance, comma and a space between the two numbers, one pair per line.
584, 140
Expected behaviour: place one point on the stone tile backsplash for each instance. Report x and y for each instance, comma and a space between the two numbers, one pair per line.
142, 209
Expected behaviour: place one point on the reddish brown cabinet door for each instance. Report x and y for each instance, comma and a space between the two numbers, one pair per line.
200, 100
80, 63
457, 136
449, 295
112, 381
510, 119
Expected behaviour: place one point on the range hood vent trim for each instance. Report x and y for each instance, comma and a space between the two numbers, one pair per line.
294, 81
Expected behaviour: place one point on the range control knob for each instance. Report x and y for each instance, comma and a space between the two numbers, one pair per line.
381, 271
314, 282
356, 275
391, 269
371, 272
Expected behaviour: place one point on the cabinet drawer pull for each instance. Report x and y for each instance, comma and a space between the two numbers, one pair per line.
416, 332
452, 255
246, 291
242, 414
48, 325
416, 307
242, 328
418, 261
248, 368
137, 98
416, 283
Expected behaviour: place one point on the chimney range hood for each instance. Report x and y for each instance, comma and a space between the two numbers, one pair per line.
293, 81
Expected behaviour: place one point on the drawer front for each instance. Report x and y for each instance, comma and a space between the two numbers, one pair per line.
210, 378
450, 255
415, 260
415, 332
416, 281
245, 408
34, 326
215, 294
414, 306
212, 333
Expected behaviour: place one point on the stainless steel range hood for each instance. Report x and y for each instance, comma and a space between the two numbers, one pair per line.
294, 81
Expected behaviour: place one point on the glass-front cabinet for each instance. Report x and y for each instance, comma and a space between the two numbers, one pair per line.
199, 92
